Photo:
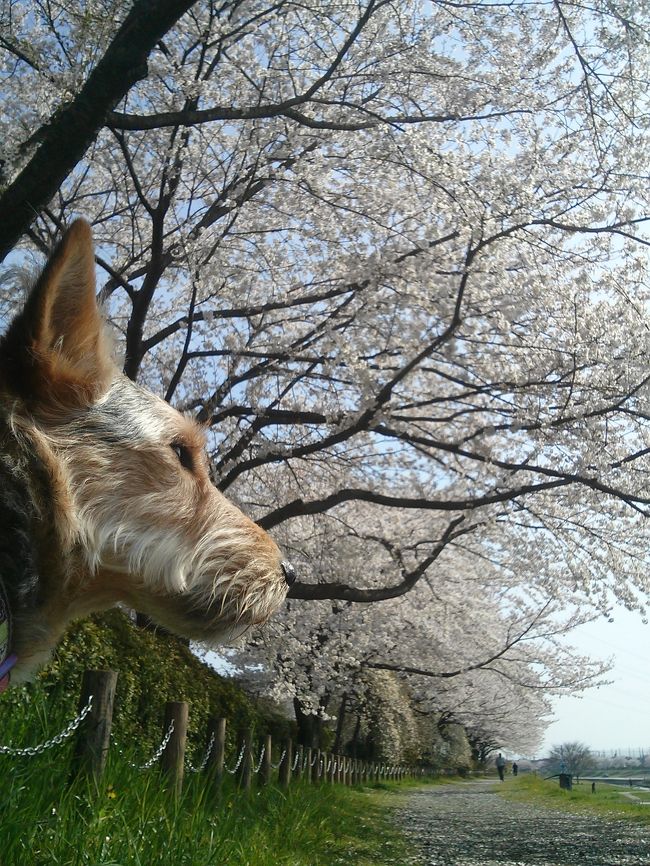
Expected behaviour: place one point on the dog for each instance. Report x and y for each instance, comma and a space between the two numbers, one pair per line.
105, 494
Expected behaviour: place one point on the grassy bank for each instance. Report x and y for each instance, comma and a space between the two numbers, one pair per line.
131, 819
608, 800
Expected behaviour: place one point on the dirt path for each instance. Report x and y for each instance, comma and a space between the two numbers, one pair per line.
471, 825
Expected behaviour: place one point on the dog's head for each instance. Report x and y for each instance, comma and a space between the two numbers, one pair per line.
123, 507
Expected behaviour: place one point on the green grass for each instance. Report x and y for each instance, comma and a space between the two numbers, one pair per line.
131, 819
608, 800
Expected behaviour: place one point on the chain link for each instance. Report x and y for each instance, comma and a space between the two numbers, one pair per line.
156, 755
239, 759
279, 764
208, 752
323, 766
30, 751
259, 763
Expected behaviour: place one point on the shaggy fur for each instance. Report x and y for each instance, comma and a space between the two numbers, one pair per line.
105, 493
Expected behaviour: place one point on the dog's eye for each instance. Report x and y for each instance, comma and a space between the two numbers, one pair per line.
184, 455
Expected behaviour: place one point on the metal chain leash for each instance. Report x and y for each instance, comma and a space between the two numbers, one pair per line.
30, 751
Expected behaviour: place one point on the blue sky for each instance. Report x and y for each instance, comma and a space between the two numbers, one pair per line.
616, 716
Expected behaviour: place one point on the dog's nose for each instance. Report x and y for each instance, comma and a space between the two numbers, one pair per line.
289, 572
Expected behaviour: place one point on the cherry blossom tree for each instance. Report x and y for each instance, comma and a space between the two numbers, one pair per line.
470, 651
394, 255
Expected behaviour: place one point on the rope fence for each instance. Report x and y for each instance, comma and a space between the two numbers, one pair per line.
92, 726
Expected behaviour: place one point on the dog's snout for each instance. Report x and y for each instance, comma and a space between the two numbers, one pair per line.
289, 572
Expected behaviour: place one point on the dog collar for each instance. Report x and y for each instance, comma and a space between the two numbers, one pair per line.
7, 658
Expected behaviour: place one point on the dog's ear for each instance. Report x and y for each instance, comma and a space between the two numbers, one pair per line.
56, 351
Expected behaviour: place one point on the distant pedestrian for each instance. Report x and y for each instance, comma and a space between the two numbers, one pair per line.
501, 765
515, 768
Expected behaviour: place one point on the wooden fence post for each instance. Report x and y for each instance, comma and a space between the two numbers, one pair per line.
94, 733
315, 770
265, 769
307, 763
330, 772
284, 775
172, 760
214, 764
246, 766
327, 761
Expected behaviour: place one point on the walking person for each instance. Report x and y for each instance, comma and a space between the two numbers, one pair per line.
501, 765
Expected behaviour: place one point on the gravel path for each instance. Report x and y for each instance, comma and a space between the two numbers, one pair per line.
471, 825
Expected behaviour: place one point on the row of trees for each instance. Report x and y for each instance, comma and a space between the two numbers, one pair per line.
393, 254
578, 759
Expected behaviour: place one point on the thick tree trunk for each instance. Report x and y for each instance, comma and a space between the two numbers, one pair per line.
339, 723
306, 728
354, 745
63, 140
310, 727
